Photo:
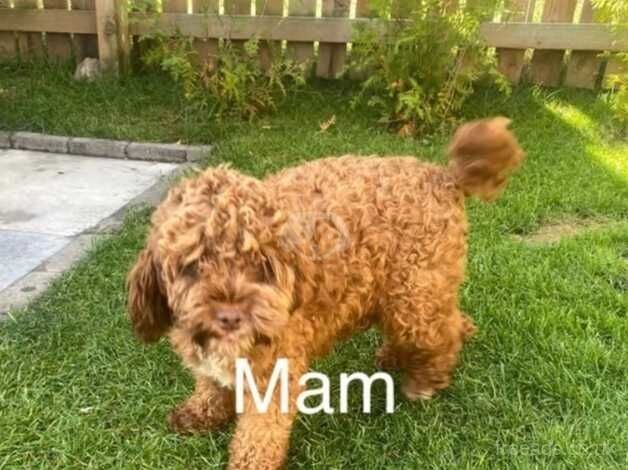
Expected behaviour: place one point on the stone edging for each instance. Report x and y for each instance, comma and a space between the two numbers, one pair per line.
171, 153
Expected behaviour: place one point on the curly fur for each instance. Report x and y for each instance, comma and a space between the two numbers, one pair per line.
305, 258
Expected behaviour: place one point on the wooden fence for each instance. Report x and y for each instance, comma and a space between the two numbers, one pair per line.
551, 42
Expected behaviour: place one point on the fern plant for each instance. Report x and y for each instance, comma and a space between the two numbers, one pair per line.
422, 69
230, 82
238, 83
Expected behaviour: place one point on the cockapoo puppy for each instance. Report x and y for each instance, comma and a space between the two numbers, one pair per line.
287, 266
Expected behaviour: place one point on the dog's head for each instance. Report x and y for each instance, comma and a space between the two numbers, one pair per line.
212, 274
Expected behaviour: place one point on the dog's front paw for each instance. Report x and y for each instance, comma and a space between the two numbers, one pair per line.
418, 386
185, 420
414, 393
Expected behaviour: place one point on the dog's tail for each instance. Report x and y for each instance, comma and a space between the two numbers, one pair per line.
482, 156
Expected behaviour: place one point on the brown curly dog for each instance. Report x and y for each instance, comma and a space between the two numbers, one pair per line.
286, 267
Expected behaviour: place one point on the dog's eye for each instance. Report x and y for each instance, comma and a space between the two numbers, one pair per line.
267, 273
190, 271
201, 338
262, 340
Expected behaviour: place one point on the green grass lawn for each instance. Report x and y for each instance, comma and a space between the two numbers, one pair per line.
543, 385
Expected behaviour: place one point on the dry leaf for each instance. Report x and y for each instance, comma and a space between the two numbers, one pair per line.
407, 130
327, 124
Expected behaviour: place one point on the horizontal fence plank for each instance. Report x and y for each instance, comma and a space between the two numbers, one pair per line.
554, 36
292, 28
558, 36
51, 21
583, 37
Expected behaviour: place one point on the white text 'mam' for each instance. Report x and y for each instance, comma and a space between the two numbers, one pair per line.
278, 385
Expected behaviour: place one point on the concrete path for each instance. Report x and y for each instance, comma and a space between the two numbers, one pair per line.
50, 205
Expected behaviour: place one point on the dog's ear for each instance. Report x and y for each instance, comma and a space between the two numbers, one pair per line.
147, 302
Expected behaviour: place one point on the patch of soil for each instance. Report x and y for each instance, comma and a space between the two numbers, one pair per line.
555, 231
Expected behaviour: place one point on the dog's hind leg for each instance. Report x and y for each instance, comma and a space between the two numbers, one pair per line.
209, 407
424, 332
387, 358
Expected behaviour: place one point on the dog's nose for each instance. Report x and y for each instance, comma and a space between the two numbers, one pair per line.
229, 318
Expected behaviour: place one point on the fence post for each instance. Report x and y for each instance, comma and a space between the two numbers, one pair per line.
8, 43
58, 45
31, 45
546, 65
268, 50
512, 61
584, 67
207, 49
331, 57
113, 35
85, 45
363, 9
237, 7
301, 52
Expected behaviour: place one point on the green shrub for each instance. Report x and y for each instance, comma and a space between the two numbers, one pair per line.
239, 82
419, 72
616, 12
173, 55
617, 94
232, 82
